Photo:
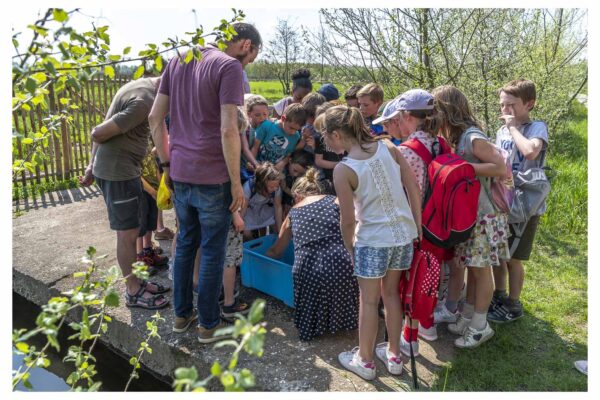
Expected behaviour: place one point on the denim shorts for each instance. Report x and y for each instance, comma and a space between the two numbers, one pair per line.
373, 262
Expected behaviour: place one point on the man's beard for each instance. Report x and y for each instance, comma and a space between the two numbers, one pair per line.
241, 57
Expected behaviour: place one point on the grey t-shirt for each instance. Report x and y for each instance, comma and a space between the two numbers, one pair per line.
120, 157
465, 151
531, 130
261, 210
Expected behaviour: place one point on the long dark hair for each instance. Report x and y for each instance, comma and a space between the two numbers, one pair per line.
453, 113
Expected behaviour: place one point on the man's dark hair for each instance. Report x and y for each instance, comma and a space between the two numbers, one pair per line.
247, 31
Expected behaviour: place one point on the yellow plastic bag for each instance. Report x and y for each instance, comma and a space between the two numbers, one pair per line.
163, 197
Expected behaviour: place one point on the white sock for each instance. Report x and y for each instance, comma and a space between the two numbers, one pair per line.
479, 321
468, 310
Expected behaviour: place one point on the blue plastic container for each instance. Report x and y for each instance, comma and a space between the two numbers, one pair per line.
273, 277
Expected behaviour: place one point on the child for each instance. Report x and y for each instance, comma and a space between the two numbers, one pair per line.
325, 159
409, 116
378, 227
263, 200
370, 98
329, 91
488, 242
300, 162
325, 292
149, 216
310, 103
528, 141
257, 110
350, 96
301, 86
274, 141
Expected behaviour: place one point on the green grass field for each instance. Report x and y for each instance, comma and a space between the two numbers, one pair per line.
272, 90
536, 353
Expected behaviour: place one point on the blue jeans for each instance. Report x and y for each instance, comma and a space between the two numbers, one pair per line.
204, 219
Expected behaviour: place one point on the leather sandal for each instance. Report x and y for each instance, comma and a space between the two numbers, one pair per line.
149, 303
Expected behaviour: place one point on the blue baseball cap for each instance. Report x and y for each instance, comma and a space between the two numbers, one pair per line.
329, 91
411, 100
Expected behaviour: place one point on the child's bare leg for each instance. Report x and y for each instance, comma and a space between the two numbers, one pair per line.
516, 276
229, 284
500, 273
393, 309
368, 318
455, 284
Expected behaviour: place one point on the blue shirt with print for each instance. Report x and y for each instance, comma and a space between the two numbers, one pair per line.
274, 142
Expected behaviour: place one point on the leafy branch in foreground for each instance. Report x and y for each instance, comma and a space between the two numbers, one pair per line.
92, 298
251, 334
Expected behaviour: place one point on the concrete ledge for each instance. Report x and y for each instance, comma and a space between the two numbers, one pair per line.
48, 243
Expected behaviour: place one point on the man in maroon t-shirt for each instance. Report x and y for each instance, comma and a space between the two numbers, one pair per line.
201, 156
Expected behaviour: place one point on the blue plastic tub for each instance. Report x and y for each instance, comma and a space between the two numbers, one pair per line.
273, 277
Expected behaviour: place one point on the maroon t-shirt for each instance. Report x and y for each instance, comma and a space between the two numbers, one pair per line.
196, 92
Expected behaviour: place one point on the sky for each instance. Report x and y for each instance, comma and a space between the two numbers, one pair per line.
136, 27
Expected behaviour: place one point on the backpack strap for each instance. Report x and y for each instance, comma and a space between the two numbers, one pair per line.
444, 146
419, 148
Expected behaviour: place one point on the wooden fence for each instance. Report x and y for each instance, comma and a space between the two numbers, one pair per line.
68, 152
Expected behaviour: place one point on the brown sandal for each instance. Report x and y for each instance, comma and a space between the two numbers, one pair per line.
149, 303
159, 288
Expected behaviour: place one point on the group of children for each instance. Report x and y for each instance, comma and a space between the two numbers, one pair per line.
380, 186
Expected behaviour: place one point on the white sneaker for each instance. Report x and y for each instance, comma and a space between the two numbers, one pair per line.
460, 326
392, 363
581, 366
405, 349
352, 362
473, 338
444, 315
428, 334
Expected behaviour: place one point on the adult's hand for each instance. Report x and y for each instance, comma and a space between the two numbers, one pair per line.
238, 199
87, 179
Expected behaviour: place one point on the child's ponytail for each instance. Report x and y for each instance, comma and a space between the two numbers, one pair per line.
309, 184
348, 121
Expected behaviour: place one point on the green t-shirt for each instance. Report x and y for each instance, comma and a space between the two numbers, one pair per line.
120, 157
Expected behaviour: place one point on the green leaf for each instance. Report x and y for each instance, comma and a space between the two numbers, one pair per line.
27, 140
60, 15
31, 85
158, 62
109, 71
215, 369
138, 72
114, 57
246, 379
126, 50
78, 274
22, 347
112, 299
64, 101
188, 56
256, 311
227, 379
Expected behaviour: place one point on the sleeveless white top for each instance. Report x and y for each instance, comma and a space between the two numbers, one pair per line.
383, 214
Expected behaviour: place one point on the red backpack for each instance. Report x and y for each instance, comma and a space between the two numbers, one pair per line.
419, 285
452, 196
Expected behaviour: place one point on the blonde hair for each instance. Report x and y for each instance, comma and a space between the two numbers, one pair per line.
349, 122
255, 100
453, 113
309, 184
264, 173
242, 120
373, 90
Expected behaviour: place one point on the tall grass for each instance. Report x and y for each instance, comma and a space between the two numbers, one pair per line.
536, 352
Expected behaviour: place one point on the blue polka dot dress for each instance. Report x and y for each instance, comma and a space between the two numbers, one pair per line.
325, 291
